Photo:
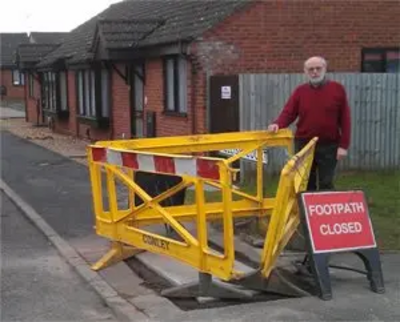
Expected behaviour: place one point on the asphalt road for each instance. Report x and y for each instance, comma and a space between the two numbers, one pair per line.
36, 283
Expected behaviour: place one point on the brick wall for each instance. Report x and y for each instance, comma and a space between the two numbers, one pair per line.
92, 133
32, 114
68, 125
166, 125
277, 36
72, 106
200, 99
14, 93
121, 116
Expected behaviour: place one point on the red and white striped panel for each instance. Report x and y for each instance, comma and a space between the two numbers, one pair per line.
192, 166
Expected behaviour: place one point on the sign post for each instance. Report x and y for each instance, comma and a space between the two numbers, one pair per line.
339, 221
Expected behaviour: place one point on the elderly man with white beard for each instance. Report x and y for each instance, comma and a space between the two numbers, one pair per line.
322, 110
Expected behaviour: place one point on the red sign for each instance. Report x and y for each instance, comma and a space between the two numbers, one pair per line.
338, 221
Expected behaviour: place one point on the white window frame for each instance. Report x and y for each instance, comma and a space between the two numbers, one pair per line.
175, 84
92, 104
50, 91
55, 91
18, 78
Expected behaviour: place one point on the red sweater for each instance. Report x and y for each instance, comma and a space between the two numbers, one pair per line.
322, 112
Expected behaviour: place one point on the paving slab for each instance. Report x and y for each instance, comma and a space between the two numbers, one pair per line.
10, 113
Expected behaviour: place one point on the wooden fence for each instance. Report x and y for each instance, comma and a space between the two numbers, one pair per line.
374, 100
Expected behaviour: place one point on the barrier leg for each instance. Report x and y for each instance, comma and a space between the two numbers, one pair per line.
372, 263
117, 253
207, 287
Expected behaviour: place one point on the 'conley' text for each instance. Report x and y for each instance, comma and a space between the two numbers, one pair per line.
150, 240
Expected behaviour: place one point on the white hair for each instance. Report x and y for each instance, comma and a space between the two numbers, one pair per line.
322, 59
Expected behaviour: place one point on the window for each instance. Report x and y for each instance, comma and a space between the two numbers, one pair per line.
18, 78
175, 84
381, 60
93, 88
55, 91
138, 91
31, 82
50, 91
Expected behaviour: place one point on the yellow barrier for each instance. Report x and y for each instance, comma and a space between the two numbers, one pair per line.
124, 159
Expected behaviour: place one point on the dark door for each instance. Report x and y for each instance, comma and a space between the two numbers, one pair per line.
224, 104
224, 109
137, 100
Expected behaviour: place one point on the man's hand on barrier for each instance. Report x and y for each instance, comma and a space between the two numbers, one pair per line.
341, 153
273, 128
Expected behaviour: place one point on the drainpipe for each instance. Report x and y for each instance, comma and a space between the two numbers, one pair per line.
110, 98
76, 102
39, 97
193, 96
193, 82
26, 96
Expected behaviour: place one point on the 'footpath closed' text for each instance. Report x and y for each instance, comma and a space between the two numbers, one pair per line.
337, 221
336, 209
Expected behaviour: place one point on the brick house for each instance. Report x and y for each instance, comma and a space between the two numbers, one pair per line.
11, 81
26, 56
141, 68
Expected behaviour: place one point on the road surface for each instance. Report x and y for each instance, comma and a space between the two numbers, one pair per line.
36, 283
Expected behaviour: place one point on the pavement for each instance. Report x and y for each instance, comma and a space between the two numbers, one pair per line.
37, 284
54, 192
7, 113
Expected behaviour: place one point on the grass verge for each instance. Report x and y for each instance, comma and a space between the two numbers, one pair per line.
382, 190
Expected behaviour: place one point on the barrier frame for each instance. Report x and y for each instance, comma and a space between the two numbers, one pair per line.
122, 227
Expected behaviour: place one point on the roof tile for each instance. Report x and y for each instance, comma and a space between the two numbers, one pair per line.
126, 33
48, 37
184, 20
9, 43
34, 52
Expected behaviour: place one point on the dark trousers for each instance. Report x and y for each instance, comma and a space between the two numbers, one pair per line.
324, 165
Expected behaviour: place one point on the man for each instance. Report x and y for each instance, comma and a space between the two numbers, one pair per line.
322, 110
